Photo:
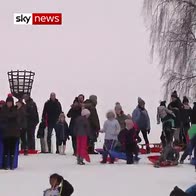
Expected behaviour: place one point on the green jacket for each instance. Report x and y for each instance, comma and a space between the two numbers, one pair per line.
192, 131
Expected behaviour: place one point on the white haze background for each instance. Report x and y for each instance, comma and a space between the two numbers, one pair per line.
102, 48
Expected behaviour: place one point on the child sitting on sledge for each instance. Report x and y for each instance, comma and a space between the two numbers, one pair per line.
128, 138
62, 133
59, 187
111, 128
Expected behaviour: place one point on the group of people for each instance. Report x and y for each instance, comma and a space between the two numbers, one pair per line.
121, 130
178, 126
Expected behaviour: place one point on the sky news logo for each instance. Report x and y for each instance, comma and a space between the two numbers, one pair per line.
38, 18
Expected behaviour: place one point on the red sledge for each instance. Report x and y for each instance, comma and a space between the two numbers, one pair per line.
29, 152
154, 148
154, 159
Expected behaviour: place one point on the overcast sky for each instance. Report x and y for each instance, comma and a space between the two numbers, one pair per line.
101, 48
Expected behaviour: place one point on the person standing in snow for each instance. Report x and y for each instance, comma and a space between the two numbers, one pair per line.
59, 187
191, 137
111, 128
176, 106
52, 109
120, 116
128, 138
74, 113
22, 123
62, 133
10, 132
185, 119
32, 120
166, 116
82, 132
91, 104
141, 118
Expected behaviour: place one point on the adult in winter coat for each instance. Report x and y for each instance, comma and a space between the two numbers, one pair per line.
82, 132
91, 104
74, 113
32, 121
176, 106
52, 109
191, 137
111, 128
120, 116
185, 119
141, 118
62, 133
128, 138
22, 125
59, 187
10, 132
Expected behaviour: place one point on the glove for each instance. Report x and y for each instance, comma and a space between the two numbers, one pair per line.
148, 131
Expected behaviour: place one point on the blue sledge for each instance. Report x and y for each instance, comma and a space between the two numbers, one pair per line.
15, 157
121, 155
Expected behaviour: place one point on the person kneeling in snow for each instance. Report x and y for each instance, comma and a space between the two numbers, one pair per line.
169, 156
59, 187
128, 138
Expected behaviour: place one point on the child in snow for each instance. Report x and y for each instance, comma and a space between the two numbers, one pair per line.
128, 140
111, 128
167, 118
62, 133
59, 187
82, 132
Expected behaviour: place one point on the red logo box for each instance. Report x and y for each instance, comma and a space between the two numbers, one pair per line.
46, 19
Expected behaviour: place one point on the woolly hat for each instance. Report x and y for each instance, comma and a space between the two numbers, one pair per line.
2, 102
93, 98
174, 94
85, 112
185, 100
140, 101
118, 106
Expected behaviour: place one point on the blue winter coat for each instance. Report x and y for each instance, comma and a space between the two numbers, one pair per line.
141, 118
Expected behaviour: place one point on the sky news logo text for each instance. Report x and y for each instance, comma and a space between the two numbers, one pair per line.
38, 18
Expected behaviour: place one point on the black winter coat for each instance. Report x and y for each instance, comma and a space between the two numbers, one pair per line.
32, 113
22, 117
62, 131
73, 113
52, 109
193, 115
9, 118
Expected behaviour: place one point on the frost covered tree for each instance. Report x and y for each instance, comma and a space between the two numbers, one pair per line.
172, 25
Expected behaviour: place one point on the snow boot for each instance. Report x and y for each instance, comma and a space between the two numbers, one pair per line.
5, 162
147, 150
60, 149
12, 162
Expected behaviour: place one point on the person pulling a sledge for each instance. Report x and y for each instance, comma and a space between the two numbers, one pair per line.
128, 139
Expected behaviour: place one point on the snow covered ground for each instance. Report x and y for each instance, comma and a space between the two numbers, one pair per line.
31, 178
